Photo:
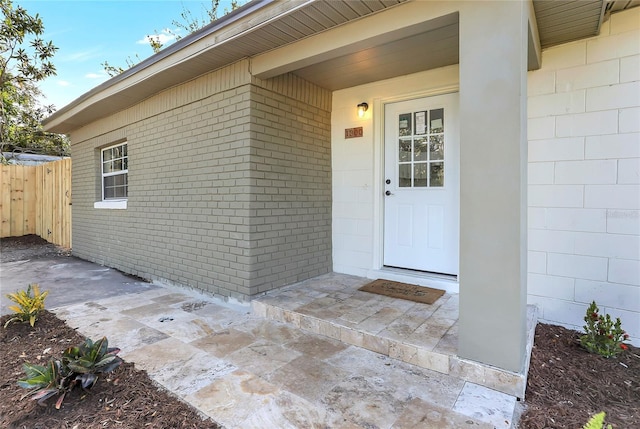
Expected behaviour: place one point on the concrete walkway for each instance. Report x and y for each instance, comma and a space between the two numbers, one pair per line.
69, 280
245, 371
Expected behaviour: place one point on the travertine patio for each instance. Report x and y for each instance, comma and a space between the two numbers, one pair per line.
420, 334
334, 357
326, 355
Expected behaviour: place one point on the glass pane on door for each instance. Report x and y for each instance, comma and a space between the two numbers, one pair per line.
436, 174
421, 123
421, 149
404, 150
404, 125
420, 175
404, 171
436, 147
436, 120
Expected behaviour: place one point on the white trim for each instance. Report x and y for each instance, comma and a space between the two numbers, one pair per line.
113, 173
111, 204
378, 172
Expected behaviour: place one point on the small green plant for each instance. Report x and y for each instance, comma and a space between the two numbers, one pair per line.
79, 365
596, 422
602, 335
30, 303
45, 381
90, 359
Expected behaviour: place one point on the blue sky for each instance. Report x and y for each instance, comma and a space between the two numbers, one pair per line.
89, 32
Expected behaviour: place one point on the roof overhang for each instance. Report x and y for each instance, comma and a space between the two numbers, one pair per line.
350, 43
258, 26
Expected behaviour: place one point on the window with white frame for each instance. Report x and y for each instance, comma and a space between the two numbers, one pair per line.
115, 164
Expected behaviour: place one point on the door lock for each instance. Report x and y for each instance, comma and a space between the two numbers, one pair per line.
388, 181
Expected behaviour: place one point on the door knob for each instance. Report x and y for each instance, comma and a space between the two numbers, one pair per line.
387, 193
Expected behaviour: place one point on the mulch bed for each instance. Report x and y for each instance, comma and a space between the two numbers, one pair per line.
567, 385
125, 398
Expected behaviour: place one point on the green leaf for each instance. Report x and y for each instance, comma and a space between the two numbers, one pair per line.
71, 353
101, 348
85, 348
42, 381
35, 371
107, 359
596, 422
116, 362
76, 366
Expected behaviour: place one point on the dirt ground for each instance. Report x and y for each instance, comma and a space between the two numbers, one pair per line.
28, 247
566, 385
125, 398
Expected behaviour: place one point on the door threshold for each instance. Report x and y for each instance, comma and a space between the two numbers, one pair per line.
448, 283
452, 277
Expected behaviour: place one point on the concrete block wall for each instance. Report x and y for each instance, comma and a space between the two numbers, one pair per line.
290, 207
584, 177
229, 185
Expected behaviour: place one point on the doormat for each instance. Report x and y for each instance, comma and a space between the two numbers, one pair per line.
425, 295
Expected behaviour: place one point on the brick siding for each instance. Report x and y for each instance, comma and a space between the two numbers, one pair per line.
291, 168
203, 157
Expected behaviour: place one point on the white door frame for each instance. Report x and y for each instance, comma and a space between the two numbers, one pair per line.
378, 173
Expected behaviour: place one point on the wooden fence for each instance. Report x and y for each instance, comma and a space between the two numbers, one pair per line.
37, 200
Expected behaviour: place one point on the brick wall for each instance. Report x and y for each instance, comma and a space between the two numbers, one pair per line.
195, 181
584, 176
291, 167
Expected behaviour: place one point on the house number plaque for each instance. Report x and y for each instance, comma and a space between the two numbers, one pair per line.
350, 133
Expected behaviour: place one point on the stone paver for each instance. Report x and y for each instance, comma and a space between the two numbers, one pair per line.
246, 371
425, 335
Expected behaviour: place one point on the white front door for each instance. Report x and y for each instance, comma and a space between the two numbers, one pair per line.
422, 184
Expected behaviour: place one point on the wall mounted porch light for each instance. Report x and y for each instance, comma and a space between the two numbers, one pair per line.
362, 107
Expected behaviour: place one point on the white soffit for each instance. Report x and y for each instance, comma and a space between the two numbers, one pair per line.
406, 55
266, 25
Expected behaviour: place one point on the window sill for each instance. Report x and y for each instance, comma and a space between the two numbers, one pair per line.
111, 204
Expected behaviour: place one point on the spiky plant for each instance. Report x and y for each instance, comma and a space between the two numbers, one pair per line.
29, 304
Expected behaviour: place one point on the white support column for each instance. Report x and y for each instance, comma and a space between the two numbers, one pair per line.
493, 173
